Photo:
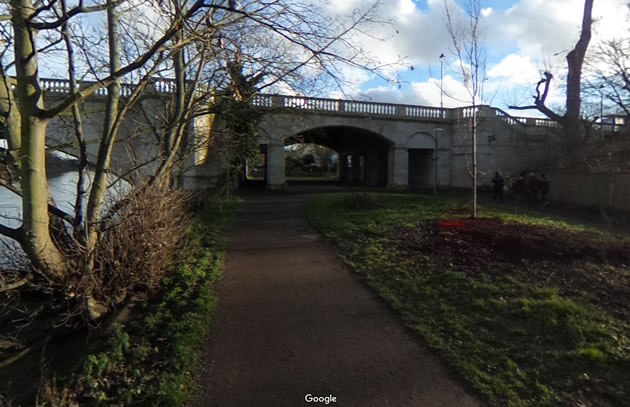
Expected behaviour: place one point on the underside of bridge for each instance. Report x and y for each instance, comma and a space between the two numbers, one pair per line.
362, 155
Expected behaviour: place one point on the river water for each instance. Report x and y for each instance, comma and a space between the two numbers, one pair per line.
62, 180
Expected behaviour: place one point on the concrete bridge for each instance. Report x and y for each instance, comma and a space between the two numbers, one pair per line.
395, 145
138, 141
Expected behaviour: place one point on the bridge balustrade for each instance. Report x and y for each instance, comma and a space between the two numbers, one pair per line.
167, 86
467, 112
62, 87
427, 112
262, 101
349, 106
546, 123
371, 108
306, 103
509, 119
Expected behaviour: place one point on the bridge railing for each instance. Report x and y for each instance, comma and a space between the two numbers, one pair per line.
349, 106
167, 86
495, 112
62, 86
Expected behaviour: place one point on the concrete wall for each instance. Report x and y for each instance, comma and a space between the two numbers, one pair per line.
500, 147
606, 190
136, 142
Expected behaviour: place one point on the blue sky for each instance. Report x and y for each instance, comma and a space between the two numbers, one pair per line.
522, 38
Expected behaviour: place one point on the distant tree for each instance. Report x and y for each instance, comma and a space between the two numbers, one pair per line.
609, 73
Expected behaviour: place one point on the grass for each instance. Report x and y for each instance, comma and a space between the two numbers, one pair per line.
149, 360
517, 342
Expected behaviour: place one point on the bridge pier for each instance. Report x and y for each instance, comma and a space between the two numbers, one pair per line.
357, 173
344, 172
274, 166
375, 168
398, 174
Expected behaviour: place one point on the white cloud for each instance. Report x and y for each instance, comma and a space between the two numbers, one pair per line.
515, 69
527, 38
406, 7
426, 93
337, 8
610, 19
539, 28
420, 36
542, 28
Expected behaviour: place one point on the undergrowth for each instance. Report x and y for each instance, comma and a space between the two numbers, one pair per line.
149, 359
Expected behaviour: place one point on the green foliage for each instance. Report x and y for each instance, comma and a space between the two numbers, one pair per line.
149, 360
240, 142
518, 343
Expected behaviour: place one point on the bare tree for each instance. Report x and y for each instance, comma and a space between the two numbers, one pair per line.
609, 73
573, 127
467, 46
192, 43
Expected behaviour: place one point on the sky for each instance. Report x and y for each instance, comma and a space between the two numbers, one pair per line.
522, 38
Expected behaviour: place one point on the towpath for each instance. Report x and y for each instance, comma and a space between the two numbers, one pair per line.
292, 322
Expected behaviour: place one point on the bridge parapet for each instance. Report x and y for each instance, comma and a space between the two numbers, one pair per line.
355, 107
350, 107
62, 87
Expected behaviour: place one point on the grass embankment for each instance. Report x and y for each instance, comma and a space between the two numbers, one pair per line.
529, 311
150, 358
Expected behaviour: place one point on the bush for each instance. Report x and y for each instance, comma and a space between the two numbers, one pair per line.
136, 246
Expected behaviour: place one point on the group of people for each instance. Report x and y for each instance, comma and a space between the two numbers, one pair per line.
526, 184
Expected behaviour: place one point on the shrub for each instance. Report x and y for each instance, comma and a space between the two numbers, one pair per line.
137, 245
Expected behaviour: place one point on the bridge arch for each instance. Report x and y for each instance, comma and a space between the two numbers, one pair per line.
363, 153
422, 147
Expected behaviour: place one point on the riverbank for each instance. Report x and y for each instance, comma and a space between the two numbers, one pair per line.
143, 355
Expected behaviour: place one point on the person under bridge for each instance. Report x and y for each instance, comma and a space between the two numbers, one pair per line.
498, 183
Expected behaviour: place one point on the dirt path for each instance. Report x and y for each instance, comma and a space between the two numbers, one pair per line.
292, 322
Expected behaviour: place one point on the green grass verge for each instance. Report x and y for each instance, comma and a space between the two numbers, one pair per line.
516, 343
149, 360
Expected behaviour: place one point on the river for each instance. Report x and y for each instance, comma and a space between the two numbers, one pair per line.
62, 180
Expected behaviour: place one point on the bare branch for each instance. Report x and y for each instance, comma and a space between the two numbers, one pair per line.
80, 9
15, 234
159, 45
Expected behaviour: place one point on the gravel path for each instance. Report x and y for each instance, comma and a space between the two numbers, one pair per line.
292, 322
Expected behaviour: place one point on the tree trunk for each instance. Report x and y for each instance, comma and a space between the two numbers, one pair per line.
99, 185
572, 125
575, 60
174, 133
37, 242
473, 134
